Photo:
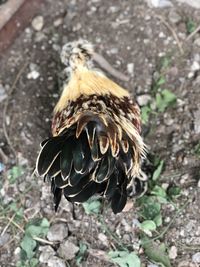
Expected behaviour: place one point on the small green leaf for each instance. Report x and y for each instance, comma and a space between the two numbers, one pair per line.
145, 113
37, 227
34, 262
158, 220
174, 191
161, 81
148, 226
156, 253
191, 26
14, 173
150, 207
165, 62
92, 206
28, 245
164, 99
125, 258
158, 171
159, 191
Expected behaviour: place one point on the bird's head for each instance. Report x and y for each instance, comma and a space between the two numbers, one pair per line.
77, 53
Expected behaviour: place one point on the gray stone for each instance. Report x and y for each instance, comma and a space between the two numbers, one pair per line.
130, 68
4, 239
58, 22
159, 3
58, 232
55, 261
143, 99
173, 252
46, 253
192, 3
197, 41
3, 94
38, 23
68, 250
174, 17
196, 257
197, 121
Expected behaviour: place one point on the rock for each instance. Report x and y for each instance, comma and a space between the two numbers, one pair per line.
33, 75
173, 252
159, 3
195, 66
39, 37
143, 99
38, 23
192, 3
130, 68
4, 239
197, 121
58, 22
34, 71
196, 257
197, 41
55, 261
174, 17
46, 253
68, 250
103, 238
3, 94
57, 232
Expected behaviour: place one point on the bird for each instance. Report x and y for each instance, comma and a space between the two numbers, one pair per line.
96, 147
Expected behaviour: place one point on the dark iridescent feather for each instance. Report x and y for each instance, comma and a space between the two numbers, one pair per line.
48, 154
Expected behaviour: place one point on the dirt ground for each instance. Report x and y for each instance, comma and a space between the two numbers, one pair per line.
134, 39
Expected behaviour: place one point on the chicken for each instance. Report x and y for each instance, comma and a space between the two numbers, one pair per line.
96, 146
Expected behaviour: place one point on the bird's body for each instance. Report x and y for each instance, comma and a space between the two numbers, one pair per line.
96, 145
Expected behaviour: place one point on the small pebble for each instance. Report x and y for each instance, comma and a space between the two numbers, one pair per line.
130, 68
174, 17
3, 94
173, 252
143, 99
55, 261
58, 22
68, 250
38, 23
33, 75
57, 232
196, 257
195, 66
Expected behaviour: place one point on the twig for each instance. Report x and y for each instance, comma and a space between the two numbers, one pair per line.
44, 241
106, 66
173, 33
6, 107
18, 226
6, 227
193, 33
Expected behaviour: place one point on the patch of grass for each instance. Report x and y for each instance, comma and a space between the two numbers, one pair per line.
162, 98
34, 229
190, 26
124, 258
14, 173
